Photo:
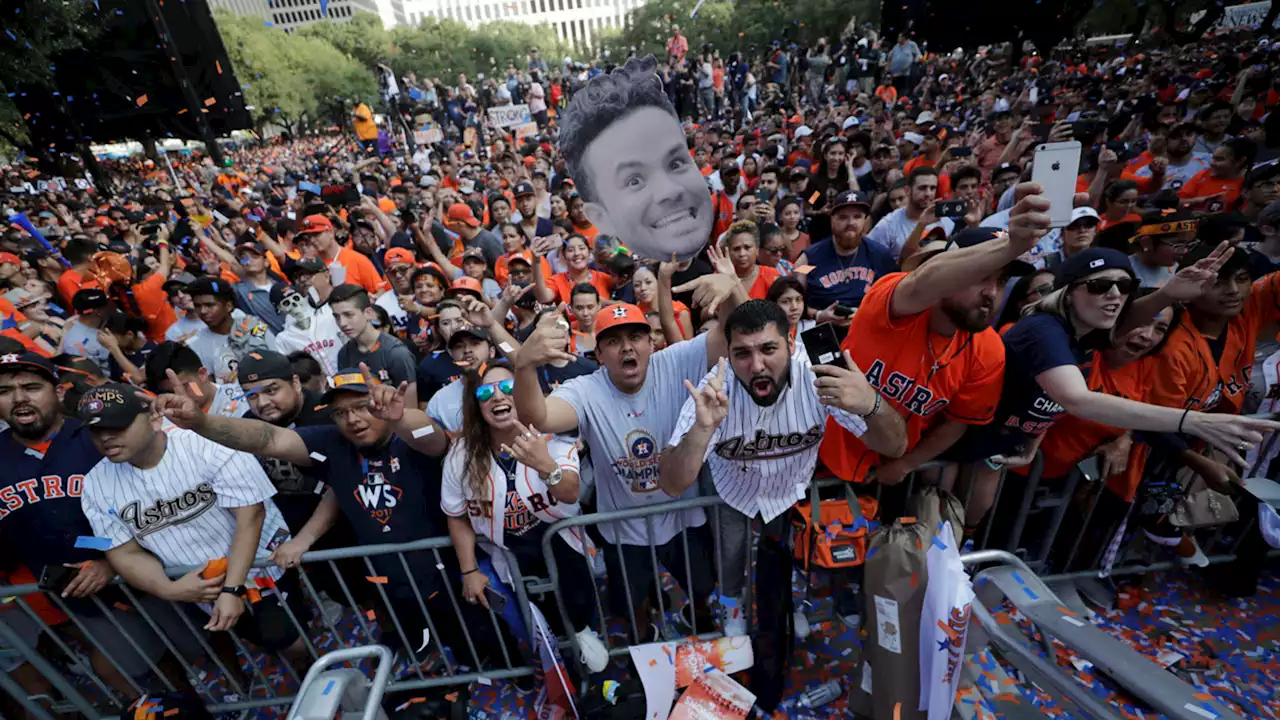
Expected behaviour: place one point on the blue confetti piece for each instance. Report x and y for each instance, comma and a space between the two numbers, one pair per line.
88, 542
11, 35
1017, 578
1030, 594
1209, 708
329, 688
938, 543
872, 552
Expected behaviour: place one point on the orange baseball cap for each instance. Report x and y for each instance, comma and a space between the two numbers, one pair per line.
314, 224
466, 284
524, 256
387, 205
617, 315
8, 257
461, 213
399, 256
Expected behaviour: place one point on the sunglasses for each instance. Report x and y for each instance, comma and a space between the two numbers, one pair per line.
485, 393
774, 250
1102, 286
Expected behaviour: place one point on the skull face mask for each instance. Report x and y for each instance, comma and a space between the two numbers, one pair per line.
293, 305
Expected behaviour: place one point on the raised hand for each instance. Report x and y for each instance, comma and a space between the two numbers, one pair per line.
842, 388
530, 449
720, 261
385, 402
1190, 282
710, 290
711, 403
477, 312
180, 407
547, 343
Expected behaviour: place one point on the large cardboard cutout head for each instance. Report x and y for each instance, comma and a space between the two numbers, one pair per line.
626, 153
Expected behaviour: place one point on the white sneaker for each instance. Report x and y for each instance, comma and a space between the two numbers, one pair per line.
733, 618
592, 650
801, 625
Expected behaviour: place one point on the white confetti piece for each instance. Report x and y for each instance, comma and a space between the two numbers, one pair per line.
426, 639
318, 457
1074, 621
484, 681
423, 431
1200, 711
440, 566
505, 347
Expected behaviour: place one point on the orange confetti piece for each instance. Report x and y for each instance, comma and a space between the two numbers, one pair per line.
377, 579
1203, 696
946, 628
451, 697
897, 711
371, 615
172, 711
653, 663
909, 520
318, 408
814, 197
1065, 611
210, 101
142, 100
195, 389
183, 110
122, 607
218, 65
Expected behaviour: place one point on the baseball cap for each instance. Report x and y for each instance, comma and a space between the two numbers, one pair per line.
253, 246
461, 213
88, 299
1082, 213
924, 117
8, 257
305, 266
802, 131
178, 281
1200, 250
314, 224
968, 237
427, 181
466, 187
914, 138
465, 284
1005, 167
617, 315
217, 287
468, 330
279, 293
473, 254
111, 406
29, 361
851, 122
398, 256
851, 198
523, 256
263, 365
349, 380
524, 188
1089, 261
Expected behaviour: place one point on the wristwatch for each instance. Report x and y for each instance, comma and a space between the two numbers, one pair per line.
553, 478
237, 590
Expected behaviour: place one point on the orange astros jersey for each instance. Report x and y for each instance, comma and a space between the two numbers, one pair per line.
1190, 378
960, 379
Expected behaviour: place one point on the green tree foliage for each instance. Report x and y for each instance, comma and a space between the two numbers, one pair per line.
363, 39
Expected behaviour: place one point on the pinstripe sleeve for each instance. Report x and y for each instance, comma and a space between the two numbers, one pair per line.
853, 423
237, 477
97, 510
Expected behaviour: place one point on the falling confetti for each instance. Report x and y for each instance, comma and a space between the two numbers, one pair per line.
142, 100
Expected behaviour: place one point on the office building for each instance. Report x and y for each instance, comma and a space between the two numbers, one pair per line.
577, 22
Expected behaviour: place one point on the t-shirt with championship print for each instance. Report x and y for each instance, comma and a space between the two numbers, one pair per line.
626, 432
921, 374
761, 459
180, 510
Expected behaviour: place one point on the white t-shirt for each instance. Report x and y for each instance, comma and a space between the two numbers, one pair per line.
184, 329
216, 351
537, 98
626, 434
445, 407
181, 509
1175, 176
390, 302
761, 459
893, 229
229, 401
82, 340
322, 341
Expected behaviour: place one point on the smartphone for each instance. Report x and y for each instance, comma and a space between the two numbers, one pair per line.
764, 196
951, 208
1055, 168
843, 311
55, 578
1090, 469
961, 151
1040, 131
823, 345
497, 601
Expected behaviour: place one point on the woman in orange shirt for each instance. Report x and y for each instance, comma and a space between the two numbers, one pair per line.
743, 249
1119, 199
1217, 188
577, 256
645, 284
790, 213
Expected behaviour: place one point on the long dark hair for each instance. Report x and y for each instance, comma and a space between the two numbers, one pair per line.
1017, 294
475, 438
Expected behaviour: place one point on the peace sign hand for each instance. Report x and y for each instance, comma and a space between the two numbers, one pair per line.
1190, 282
180, 406
711, 403
385, 402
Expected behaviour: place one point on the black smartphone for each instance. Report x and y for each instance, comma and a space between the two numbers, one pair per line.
823, 345
951, 208
1040, 131
55, 578
764, 196
961, 151
497, 601
843, 310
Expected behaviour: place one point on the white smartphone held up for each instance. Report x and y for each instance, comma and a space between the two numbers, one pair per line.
1055, 168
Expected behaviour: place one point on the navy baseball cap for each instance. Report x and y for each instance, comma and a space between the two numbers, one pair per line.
851, 198
110, 406
264, 365
349, 380
968, 237
1089, 261
524, 188
29, 362
88, 299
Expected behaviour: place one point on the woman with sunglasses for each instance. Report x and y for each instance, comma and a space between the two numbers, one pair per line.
773, 249
1044, 354
1027, 291
504, 485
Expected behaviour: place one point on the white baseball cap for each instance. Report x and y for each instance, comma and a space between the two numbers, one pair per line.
914, 138
924, 117
851, 121
804, 131
1083, 212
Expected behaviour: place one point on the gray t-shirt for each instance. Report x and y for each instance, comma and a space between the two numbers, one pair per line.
389, 360
627, 433
1149, 276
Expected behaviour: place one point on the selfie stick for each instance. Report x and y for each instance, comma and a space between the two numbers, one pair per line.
20, 219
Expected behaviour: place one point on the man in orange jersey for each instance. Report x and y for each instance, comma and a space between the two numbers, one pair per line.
924, 340
345, 265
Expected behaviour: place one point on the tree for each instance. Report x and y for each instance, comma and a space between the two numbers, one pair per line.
363, 39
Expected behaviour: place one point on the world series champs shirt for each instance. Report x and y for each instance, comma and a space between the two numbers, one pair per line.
761, 459
625, 434
180, 510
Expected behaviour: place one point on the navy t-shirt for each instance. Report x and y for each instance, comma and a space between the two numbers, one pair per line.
139, 360
1035, 344
389, 493
434, 372
40, 512
844, 279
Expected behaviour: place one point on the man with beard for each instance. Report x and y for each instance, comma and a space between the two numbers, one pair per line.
626, 411
844, 266
925, 341
1181, 164
762, 448
46, 456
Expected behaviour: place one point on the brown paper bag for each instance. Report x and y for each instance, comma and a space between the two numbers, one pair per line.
894, 582
931, 506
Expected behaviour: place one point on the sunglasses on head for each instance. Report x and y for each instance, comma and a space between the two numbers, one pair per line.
485, 393
1102, 286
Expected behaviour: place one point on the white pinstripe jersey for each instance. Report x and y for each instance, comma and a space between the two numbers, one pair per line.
761, 459
180, 510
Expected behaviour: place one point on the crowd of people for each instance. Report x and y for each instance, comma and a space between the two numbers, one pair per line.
324, 342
